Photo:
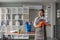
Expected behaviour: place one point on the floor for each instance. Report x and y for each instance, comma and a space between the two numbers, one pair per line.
31, 38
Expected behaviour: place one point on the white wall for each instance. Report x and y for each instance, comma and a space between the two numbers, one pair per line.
52, 18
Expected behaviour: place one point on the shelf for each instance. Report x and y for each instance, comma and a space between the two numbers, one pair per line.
17, 19
11, 16
13, 19
2, 19
3, 10
15, 25
8, 19
14, 16
20, 10
17, 13
26, 19
14, 11
18, 25
3, 14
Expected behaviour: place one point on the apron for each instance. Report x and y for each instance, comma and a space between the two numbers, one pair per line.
40, 33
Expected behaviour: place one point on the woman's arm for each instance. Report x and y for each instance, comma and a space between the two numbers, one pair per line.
47, 23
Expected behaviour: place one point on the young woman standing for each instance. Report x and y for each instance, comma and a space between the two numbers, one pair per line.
41, 31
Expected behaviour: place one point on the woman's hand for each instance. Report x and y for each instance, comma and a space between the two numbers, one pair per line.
47, 24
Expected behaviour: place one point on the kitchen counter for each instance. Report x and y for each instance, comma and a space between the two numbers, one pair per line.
21, 35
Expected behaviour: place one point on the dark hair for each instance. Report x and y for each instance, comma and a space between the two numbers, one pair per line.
42, 11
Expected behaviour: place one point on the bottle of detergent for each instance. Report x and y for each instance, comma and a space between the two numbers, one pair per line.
19, 30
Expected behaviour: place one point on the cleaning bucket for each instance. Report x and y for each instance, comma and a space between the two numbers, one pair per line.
27, 27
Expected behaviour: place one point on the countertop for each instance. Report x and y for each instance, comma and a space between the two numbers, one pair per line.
21, 33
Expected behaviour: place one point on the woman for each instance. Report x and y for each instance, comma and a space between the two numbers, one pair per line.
40, 32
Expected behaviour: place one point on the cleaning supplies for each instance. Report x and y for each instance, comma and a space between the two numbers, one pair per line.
10, 23
19, 30
28, 27
17, 23
16, 17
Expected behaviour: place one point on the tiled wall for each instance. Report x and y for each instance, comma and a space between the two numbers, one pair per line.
33, 13
57, 26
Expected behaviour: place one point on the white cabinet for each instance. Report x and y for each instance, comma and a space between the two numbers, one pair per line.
14, 16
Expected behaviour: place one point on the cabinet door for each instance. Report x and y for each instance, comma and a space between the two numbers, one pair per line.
25, 14
25, 10
20, 10
14, 10
3, 12
3, 16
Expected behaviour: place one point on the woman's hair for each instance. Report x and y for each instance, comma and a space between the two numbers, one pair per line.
42, 11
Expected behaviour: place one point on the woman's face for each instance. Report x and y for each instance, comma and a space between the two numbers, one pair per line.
40, 14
